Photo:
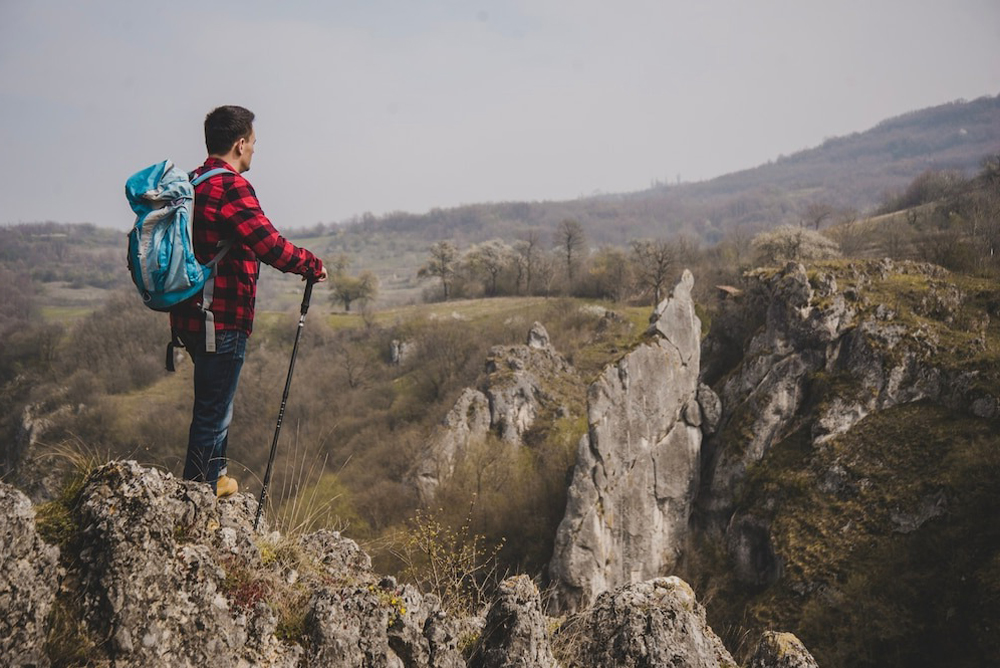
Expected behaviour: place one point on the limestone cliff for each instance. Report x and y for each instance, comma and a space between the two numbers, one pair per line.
855, 463
869, 352
637, 468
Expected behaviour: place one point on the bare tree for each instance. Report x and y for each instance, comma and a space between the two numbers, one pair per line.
735, 250
984, 229
545, 271
816, 213
611, 273
654, 260
571, 242
852, 237
526, 259
355, 362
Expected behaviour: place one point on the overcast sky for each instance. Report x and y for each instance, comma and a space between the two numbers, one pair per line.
382, 105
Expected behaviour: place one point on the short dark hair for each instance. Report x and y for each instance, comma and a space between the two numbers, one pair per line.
225, 126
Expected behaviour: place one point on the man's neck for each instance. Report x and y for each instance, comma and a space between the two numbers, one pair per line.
229, 159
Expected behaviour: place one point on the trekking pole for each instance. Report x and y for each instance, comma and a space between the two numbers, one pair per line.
284, 400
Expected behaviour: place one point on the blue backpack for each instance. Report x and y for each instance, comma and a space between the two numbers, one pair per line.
161, 255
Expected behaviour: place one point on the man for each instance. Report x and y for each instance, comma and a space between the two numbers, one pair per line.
226, 211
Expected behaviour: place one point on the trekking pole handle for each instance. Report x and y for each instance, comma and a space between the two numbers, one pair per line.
310, 282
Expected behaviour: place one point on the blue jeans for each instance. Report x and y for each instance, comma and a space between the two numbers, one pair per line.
216, 376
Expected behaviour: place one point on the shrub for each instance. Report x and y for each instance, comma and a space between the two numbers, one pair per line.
455, 564
793, 243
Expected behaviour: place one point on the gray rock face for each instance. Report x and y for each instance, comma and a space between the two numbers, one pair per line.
466, 423
711, 409
538, 337
152, 571
814, 332
514, 384
29, 578
654, 623
173, 577
506, 406
347, 631
515, 634
637, 469
781, 650
815, 359
748, 541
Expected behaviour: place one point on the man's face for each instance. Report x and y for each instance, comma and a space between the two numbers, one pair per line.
245, 148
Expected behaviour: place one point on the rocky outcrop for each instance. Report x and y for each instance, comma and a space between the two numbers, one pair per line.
637, 468
165, 575
29, 578
781, 650
515, 633
825, 341
152, 569
168, 575
654, 623
513, 394
467, 422
39, 483
516, 381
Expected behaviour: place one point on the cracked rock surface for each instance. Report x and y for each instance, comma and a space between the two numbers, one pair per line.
637, 468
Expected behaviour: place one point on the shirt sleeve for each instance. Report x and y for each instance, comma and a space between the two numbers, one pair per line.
242, 209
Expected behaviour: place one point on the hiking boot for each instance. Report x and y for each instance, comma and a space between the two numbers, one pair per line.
225, 486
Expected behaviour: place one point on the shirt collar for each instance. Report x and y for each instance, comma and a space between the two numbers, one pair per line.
212, 163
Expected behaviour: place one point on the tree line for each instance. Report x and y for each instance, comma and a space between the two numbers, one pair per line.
941, 217
642, 272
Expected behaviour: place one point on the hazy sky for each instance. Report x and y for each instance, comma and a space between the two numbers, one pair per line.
381, 105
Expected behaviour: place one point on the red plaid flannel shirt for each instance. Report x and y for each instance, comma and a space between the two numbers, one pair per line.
226, 207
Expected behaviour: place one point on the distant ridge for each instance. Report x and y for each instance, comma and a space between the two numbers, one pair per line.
851, 174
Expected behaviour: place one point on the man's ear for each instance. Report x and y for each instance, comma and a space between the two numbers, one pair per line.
240, 146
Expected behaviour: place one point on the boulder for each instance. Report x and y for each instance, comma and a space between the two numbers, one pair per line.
647, 624
347, 631
711, 409
152, 569
515, 633
538, 337
781, 650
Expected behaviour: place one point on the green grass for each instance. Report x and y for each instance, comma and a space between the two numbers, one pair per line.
920, 302
64, 314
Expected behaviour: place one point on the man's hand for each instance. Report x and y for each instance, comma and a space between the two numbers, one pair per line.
321, 276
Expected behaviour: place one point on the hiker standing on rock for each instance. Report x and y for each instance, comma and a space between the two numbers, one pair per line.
227, 221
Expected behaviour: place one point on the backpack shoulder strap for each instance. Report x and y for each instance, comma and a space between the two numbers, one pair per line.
208, 291
209, 174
